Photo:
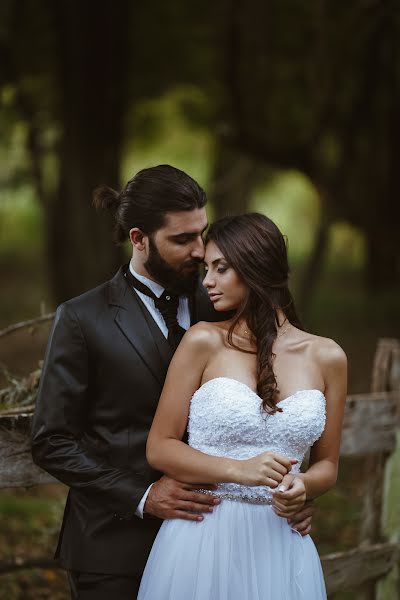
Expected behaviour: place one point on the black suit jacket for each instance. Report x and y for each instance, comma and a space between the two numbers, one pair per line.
103, 373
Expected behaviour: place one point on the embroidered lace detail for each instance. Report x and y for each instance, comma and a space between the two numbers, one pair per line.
226, 419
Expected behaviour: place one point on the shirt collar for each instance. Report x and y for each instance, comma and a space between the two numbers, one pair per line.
155, 287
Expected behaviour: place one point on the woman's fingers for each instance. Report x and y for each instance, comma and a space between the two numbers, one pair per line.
286, 483
288, 503
285, 462
277, 466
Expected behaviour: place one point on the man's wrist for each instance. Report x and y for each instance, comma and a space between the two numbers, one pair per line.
141, 507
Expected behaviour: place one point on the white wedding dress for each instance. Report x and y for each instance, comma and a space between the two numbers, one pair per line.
243, 550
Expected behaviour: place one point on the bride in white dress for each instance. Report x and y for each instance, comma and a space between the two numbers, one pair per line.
255, 392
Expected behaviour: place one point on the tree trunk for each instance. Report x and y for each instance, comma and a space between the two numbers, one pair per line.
383, 259
92, 79
234, 179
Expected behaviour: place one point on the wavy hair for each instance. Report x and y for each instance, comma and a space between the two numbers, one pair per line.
256, 249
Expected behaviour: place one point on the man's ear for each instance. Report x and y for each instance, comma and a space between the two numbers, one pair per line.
137, 238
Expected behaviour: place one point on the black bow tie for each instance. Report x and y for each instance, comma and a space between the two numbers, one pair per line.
167, 304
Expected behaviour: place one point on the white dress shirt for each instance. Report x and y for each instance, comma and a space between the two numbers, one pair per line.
183, 317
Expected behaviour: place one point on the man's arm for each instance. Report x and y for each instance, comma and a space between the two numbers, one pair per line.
59, 420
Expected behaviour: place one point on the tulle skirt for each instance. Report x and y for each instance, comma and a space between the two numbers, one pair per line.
241, 551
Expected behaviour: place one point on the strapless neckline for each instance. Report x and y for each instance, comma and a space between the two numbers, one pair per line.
226, 419
248, 388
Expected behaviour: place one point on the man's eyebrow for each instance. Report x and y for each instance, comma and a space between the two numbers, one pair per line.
187, 234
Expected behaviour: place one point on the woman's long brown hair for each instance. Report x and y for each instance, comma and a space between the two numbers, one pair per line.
255, 248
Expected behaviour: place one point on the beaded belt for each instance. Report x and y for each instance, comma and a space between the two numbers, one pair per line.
239, 497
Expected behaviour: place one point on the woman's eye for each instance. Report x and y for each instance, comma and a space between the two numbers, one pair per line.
222, 269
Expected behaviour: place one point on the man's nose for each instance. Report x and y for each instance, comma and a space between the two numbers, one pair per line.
198, 249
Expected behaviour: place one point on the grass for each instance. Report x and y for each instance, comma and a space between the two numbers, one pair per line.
29, 524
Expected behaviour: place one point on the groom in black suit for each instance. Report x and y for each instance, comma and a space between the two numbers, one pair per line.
104, 370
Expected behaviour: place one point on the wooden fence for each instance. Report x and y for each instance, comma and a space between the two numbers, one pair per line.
371, 430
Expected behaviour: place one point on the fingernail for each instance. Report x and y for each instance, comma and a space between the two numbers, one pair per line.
216, 501
282, 488
210, 509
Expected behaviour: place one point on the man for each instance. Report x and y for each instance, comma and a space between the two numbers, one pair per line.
103, 374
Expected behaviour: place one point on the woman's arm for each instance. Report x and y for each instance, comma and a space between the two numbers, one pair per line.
165, 450
324, 457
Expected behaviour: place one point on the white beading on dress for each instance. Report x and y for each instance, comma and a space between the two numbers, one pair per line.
243, 550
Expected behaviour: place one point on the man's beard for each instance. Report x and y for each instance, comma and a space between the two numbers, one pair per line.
175, 280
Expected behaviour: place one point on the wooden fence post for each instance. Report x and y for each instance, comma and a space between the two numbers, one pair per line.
378, 476
388, 588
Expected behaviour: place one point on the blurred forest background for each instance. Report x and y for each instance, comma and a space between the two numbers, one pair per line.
288, 107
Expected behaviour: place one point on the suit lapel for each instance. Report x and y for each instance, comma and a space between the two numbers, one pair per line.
132, 320
163, 346
138, 326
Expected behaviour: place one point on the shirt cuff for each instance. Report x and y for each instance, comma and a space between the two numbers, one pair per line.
140, 507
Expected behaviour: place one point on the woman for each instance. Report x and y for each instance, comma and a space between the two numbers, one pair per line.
256, 392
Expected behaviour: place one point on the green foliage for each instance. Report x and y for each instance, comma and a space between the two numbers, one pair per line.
164, 133
21, 227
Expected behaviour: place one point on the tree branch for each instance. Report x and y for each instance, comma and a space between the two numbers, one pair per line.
25, 324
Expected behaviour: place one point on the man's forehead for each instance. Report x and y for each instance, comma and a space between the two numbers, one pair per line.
187, 221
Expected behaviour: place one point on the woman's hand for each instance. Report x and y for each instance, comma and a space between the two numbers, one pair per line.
267, 469
288, 501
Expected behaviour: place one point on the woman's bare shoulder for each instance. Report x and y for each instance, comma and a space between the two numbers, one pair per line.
328, 353
203, 335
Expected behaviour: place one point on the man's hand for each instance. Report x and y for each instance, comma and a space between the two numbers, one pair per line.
170, 499
301, 521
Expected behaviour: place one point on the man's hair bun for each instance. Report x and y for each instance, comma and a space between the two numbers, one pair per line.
105, 198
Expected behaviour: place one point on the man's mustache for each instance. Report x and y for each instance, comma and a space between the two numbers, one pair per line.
195, 262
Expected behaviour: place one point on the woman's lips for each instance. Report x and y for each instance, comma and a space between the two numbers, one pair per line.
214, 297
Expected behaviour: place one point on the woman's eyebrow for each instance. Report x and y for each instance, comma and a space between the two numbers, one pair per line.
215, 261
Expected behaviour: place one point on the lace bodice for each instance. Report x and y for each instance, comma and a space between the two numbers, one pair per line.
226, 420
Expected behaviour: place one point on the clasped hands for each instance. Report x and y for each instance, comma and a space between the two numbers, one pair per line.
273, 470
172, 499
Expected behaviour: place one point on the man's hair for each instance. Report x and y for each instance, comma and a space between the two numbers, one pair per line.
147, 197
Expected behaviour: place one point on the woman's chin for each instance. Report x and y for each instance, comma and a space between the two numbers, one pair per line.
223, 306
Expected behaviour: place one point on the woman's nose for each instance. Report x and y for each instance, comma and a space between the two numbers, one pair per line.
208, 280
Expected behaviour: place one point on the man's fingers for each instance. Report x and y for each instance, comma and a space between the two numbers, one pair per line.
304, 513
186, 516
285, 511
194, 507
304, 527
284, 506
201, 498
